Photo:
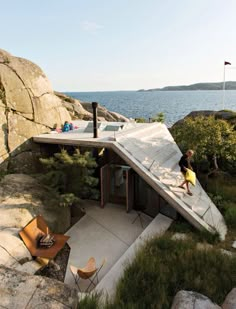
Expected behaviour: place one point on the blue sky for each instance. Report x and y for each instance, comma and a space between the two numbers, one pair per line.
96, 45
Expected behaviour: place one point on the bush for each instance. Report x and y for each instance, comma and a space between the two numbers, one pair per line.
160, 117
140, 120
71, 173
230, 217
214, 140
68, 199
206, 236
218, 201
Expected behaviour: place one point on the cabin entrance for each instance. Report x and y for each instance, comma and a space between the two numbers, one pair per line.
117, 185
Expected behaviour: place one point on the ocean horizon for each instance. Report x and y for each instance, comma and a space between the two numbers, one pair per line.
174, 104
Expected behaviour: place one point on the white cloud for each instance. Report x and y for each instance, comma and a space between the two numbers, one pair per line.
90, 26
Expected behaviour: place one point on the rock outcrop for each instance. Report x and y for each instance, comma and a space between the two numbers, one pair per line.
83, 110
229, 116
21, 199
230, 300
192, 300
21, 291
28, 105
74, 107
104, 114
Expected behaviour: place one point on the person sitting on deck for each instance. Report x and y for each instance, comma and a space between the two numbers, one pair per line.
184, 164
66, 127
71, 126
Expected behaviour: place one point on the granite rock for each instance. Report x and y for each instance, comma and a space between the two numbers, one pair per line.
21, 199
21, 291
230, 300
192, 300
28, 105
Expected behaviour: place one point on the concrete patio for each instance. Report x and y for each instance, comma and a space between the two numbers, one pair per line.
102, 233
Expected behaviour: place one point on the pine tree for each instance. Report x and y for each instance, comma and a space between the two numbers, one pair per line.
71, 173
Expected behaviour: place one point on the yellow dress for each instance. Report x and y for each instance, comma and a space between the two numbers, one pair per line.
190, 176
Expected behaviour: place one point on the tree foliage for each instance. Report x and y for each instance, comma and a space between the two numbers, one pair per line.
159, 117
213, 140
140, 120
74, 173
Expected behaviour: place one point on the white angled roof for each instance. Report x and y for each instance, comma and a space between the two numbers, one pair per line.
151, 151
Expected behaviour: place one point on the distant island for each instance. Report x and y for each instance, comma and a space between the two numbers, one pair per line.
230, 85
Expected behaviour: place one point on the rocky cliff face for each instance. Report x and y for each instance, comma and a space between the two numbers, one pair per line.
28, 105
226, 115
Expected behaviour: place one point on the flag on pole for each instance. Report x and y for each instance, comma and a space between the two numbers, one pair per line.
226, 62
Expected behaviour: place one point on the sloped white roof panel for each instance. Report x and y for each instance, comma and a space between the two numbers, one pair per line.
152, 152
159, 154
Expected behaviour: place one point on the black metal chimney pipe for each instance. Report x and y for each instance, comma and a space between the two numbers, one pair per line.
95, 121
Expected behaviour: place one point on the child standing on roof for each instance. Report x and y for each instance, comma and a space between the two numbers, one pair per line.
184, 164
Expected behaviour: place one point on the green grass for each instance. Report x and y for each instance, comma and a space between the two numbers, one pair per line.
230, 217
89, 302
224, 187
164, 266
222, 191
183, 226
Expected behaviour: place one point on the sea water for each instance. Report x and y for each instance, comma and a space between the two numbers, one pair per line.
174, 104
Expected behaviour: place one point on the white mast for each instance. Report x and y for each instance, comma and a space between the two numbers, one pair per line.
223, 99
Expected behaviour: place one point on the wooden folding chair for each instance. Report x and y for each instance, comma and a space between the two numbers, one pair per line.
89, 272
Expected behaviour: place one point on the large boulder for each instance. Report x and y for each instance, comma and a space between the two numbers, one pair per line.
28, 105
192, 300
230, 300
21, 199
83, 110
19, 290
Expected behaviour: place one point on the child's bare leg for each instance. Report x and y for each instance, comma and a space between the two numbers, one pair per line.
182, 184
187, 185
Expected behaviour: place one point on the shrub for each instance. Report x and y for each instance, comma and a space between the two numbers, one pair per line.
230, 216
218, 201
71, 173
214, 140
68, 199
140, 120
206, 236
160, 117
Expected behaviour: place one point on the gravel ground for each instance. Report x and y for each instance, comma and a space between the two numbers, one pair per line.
56, 269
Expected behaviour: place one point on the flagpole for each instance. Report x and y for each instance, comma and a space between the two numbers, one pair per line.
223, 99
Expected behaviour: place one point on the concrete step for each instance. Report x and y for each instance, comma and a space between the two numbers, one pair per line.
107, 286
